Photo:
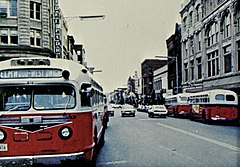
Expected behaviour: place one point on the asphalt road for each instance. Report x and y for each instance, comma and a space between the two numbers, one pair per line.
168, 142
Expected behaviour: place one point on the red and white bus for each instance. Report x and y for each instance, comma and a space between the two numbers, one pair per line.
51, 111
178, 105
214, 105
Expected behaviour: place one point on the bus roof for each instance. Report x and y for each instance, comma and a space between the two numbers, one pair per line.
42, 67
216, 96
178, 95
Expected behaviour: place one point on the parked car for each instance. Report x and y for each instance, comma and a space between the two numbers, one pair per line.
157, 110
128, 110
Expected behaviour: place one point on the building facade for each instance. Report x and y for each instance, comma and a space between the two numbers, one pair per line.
36, 28
148, 66
160, 84
26, 28
174, 61
210, 45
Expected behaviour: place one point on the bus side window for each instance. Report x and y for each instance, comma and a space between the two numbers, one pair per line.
230, 98
219, 97
86, 98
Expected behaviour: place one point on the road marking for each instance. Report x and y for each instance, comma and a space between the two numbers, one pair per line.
201, 137
112, 163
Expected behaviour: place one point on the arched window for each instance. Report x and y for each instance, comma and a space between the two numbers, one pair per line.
184, 24
212, 32
190, 19
226, 25
198, 13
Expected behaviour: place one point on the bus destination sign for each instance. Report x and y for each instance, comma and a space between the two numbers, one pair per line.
30, 73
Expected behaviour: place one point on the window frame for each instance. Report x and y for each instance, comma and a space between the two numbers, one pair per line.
36, 38
9, 34
35, 10
10, 6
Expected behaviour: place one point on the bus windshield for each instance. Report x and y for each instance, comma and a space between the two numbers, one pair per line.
50, 97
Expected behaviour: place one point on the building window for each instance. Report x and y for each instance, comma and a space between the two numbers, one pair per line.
226, 26
184, 24
227, 59
35, 38
192, 45
199, 68
213, 63
186, 49
35, 10
8, 8
190, 19
212, 34
192, 69
238, 54
237, 24
186, 72
199, 43
198, 13
8, 36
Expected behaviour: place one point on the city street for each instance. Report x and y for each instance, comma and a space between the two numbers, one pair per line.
141, 141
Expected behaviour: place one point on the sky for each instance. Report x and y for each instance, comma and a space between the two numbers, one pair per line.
132, 31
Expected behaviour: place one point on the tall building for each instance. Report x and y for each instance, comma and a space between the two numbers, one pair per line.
148, 66
174, 61
210, 45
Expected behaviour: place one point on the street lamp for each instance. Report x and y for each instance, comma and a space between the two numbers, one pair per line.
176, 61
92, 70
85, 18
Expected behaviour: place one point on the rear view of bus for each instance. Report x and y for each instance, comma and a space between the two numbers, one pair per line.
47, 115
178, 105
214, 105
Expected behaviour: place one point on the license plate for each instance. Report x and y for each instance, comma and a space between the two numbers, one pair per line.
3, 147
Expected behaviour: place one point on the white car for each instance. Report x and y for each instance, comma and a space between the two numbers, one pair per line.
128, 110
157, 110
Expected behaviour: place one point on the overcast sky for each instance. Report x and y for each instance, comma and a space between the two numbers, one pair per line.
132, 31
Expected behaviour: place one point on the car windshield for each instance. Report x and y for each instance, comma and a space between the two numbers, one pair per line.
22, 98
128, 106
159, 107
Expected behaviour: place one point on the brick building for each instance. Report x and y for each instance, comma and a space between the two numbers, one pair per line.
148, 66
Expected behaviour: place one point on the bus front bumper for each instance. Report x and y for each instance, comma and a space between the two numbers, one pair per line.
39, 159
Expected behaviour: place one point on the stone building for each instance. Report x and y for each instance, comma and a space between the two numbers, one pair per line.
35, 28
210, 45
25, 28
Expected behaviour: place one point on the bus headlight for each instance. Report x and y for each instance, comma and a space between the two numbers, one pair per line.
65, 133
3, 135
